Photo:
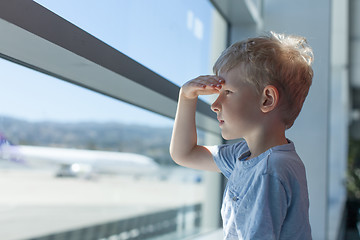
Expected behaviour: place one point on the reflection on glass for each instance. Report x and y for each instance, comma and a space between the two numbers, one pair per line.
177, 39
72, 161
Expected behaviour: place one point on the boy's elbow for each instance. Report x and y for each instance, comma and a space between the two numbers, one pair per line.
177, 161
174, 156
177, 156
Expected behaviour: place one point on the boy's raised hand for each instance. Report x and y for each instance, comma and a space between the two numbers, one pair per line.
202, 85
184, 149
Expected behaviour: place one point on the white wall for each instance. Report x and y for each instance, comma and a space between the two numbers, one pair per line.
339, 115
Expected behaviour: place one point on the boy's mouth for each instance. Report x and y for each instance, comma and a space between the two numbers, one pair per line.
221, 122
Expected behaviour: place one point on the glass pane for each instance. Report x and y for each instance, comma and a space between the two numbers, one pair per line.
176, 39
61, 101
76, 162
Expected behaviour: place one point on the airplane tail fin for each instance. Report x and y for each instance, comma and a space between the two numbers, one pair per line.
4, 141
9, 151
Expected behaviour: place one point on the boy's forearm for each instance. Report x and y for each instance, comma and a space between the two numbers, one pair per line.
184, 137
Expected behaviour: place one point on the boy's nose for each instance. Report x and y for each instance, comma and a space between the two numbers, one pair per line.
216, 106
215, 109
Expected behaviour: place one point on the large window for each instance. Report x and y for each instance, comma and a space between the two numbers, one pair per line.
76, 163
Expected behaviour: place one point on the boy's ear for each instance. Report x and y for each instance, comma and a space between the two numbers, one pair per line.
269, 98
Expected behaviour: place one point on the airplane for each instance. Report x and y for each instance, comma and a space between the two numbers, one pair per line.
78, 162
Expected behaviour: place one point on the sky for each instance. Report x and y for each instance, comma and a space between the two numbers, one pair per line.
170, 37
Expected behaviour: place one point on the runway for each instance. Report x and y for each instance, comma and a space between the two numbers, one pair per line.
34, 203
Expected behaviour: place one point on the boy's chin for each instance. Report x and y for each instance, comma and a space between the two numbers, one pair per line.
229, 136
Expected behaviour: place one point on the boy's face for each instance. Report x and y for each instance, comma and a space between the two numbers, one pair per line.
237, 106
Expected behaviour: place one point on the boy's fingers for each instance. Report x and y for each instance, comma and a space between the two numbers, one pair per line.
203, 85
210, 80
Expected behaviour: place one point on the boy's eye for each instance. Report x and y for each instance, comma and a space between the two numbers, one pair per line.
227, 92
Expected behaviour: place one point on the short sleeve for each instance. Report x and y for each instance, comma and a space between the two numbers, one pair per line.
225, 156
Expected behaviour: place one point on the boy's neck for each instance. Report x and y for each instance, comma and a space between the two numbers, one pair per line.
264, 139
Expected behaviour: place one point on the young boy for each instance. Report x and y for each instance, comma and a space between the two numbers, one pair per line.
262, 84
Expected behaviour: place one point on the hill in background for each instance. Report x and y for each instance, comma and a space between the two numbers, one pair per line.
109, 136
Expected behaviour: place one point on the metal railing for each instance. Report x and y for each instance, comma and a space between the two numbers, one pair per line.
136, 228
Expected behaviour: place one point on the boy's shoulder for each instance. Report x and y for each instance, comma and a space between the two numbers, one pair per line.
227, 155
284, 163
233, 150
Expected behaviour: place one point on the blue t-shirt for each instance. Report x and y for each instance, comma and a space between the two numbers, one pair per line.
266, 197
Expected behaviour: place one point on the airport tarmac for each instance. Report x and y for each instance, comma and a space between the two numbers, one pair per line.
35, 203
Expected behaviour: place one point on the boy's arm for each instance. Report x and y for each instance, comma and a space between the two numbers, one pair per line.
183, 147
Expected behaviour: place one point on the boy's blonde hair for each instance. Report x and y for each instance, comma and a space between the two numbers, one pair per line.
278, 60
